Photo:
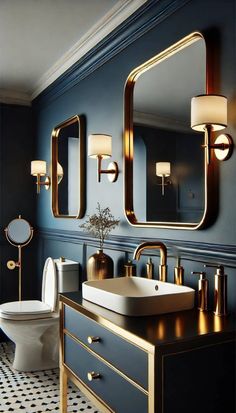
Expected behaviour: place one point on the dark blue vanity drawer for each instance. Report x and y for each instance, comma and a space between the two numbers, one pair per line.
116, 391
127, 357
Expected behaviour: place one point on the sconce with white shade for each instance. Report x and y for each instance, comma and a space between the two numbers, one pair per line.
39, 169
163, 170
209, 114
100, 147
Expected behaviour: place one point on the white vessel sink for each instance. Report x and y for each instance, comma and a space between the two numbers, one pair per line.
135, 296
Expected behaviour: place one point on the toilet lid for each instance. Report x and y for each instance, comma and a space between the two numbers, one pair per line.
25, 307
49, 284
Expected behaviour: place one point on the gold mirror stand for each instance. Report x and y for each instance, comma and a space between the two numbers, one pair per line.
11, 265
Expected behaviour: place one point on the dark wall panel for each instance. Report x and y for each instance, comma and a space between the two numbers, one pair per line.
99, 96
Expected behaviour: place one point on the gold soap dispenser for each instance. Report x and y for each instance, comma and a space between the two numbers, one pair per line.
202, 290
130, 269
178, 273
220, 292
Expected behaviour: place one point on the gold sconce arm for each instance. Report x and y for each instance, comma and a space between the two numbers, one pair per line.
223, 147
99, 147
111, 171
38, 169
164, 182
46, 183
163, 170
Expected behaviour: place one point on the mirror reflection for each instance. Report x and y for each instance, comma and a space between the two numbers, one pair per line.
68, 173
167, 167
19, 231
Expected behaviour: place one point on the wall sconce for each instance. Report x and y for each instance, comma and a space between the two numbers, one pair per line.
163, 170
39, 168
209, 114
99, 147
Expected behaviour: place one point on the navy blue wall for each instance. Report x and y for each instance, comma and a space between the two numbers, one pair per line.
17, 195
98, 94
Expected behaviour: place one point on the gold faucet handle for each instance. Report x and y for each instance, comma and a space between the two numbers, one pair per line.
220, 268
201, 273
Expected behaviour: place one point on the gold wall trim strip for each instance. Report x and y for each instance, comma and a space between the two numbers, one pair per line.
124, 334
93, 353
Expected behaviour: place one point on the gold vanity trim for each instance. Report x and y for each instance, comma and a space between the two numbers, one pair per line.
66, 374
124, 334
128, 136
54, 156
127, 378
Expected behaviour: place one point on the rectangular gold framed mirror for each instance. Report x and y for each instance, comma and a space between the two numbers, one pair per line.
165, 168
68, 168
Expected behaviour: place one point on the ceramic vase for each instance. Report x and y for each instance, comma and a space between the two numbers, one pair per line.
99, 266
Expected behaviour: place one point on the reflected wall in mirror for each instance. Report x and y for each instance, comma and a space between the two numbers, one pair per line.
68, 168
157, 131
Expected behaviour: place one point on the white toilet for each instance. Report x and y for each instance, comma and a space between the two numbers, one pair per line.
34, 325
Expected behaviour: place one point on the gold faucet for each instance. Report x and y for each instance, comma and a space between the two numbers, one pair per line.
163, 256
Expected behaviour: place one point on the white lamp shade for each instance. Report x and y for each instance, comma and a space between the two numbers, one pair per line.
38, 168
163, 168
208, 110
99, 144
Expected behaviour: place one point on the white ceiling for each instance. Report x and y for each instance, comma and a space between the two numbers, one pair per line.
40, 39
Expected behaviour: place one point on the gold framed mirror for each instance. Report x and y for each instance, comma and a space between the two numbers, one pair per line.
165, 168
68, 168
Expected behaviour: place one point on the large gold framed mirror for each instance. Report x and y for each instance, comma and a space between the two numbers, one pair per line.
68, 168
165, 168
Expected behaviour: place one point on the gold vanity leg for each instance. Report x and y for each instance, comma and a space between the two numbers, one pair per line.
63, 390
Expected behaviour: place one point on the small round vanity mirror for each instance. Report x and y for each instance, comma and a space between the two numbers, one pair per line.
19, 232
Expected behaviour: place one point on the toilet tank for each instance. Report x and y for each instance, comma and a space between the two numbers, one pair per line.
68, 275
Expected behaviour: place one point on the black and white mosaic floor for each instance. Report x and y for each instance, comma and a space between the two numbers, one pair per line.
36, 392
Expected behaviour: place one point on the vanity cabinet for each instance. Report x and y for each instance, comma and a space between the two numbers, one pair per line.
173, 363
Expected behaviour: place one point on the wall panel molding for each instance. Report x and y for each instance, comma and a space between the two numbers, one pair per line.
140, 22
195, 251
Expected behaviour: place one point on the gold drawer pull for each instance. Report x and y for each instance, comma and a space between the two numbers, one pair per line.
93, 376
92, 339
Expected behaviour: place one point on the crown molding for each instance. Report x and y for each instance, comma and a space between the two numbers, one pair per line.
161, 122
11, 97
147, 16
120, 12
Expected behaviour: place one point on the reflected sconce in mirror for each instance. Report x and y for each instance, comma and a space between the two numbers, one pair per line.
99, 147
209, 114
60, 173
39, 169
163, 170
